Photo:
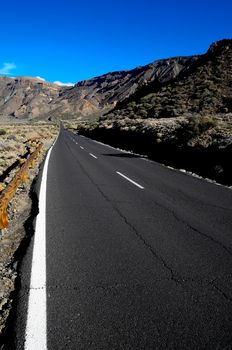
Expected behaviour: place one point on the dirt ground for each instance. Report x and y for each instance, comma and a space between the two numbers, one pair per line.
14, 144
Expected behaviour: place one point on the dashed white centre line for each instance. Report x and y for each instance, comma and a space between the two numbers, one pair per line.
128, 179
81, 147
92, 155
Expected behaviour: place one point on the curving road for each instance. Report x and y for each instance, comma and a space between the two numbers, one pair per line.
138, 256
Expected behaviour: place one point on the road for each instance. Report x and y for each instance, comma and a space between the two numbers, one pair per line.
138, 256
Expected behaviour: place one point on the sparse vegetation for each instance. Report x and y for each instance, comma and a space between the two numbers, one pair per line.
13, 140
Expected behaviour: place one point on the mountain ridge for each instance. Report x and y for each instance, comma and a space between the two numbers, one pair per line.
86, 97
198, 89
31, 98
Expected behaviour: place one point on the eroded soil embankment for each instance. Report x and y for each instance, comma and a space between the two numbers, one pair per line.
213, 162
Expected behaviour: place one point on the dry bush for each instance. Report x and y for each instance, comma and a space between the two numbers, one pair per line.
2, 132
194, 126
13, 140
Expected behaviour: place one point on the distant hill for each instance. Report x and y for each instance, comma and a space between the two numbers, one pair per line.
25, 97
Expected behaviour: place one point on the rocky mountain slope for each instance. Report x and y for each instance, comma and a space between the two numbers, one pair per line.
107, 90
24, 97
206, 88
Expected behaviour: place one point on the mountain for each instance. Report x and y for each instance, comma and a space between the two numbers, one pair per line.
25, 97
204, 89
180, 86
107, 90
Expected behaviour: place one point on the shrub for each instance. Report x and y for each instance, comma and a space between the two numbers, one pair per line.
194, 127
198, 125
2, 132
143, 113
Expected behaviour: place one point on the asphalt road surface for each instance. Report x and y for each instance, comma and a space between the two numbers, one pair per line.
138, 256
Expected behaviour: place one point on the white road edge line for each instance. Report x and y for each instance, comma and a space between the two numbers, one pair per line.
104, 144
36, 327
133, 182
81, 147
92, 155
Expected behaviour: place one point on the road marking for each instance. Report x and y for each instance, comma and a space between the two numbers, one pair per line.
36, 327
81, 147
76, 143
92, 155
133, 182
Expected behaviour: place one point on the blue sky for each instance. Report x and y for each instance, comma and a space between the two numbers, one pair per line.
70, 40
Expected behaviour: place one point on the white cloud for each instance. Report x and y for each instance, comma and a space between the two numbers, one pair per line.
56, 82
7, 67
40, 78
63, 84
